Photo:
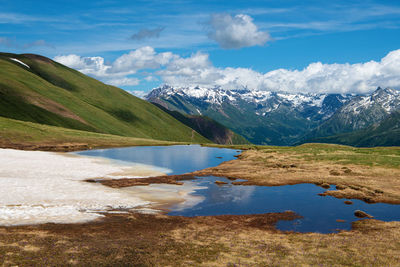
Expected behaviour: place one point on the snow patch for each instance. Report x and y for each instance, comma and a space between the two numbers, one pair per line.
42, 187
20, 62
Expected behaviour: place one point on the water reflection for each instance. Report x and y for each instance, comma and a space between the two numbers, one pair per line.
320, 213
179, 159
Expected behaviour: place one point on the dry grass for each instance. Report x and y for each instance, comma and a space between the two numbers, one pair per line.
157, 240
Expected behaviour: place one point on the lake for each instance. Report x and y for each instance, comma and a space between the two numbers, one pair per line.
320, 214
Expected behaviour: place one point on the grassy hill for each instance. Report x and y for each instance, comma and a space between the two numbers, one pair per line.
49, 93
208, 128
34, 136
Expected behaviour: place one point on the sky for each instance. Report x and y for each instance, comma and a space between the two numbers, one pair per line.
295, 46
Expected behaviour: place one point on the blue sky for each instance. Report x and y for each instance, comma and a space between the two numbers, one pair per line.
213, 40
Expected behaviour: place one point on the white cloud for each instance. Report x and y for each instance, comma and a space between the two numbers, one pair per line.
197, 69
93, 66
338, 78
141, 58
316, 77
116, 73
236, 32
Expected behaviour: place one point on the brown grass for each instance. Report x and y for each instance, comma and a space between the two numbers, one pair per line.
159, 240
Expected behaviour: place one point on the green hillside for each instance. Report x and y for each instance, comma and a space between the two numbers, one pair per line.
385, 133
49, 93
34, 136
208, 128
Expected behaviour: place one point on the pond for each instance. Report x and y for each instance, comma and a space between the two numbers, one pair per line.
320, 214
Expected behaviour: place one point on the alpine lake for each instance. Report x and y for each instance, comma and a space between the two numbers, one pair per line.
322, 214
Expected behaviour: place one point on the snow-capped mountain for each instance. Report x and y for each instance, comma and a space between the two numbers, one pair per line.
264, 102
360, 112
280, 118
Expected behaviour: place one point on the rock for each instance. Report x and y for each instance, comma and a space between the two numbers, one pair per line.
220, 182
348, 202
340, 220
325, 185
340, 187
362, 214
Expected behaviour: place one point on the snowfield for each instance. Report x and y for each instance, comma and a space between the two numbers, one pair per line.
41, 187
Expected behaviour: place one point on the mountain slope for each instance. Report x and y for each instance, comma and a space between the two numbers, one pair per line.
26, 135
262, 117
36, 89
385, 133
359, 113
208, 128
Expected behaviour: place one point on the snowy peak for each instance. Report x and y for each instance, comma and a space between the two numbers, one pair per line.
387, 100
264, 101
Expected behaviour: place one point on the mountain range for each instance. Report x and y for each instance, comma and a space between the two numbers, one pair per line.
282, 118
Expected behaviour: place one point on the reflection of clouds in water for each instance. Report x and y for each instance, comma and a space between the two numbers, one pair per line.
181, 155
180, 159
180, 196
231, 193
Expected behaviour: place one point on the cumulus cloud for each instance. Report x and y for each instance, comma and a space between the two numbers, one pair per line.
197, 69
236, 32
147, 34
338, 78
141, 58
116, 73
315, 78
